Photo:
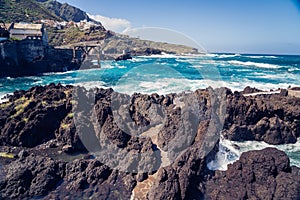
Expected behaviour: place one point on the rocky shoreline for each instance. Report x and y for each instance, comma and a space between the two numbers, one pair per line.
65, 142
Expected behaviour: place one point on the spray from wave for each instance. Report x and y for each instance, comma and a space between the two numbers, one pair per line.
230, 151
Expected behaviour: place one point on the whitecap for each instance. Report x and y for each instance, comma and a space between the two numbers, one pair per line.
261, 56
293, 69
9, 78
91, 84
171, 85
107, 66
159, 86
229, 55
255, 64
57, 73
163, 55
211, 55
276, 77
138, 59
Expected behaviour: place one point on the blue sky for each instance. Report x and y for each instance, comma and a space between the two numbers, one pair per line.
257, 26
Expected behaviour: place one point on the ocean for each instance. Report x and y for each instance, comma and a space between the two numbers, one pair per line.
165, 74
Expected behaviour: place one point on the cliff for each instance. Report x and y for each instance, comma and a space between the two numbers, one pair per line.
66, 142
31, 57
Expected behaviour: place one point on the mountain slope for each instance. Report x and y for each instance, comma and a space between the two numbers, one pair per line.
32, 10
65, 11
24, 11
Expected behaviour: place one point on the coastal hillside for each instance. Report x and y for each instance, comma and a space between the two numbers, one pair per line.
24, 11
36, 10
113, 43
118, 43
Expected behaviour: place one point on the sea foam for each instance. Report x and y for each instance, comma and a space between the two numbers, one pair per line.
230, 151
255, 64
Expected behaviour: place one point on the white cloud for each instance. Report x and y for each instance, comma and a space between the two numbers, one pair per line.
115, 24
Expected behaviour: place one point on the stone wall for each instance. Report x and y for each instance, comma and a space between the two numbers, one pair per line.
8, 51
32, 57
30, 50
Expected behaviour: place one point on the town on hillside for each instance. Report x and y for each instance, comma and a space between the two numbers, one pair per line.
22, 30
25, 49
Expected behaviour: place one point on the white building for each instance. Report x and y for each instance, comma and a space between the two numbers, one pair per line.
28, 31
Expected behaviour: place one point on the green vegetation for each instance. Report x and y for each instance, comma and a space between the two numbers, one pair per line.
53, 103
20, 99
5, 105
73, 102
72, 35
55, 37
22, 104
64, 126
67, 92
25, 119
6, 155
33, 10
24, 11
118, 43
44, 103
14, 39
65, 11
114, 44
70, 115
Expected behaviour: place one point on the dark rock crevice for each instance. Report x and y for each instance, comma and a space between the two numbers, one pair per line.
60, 131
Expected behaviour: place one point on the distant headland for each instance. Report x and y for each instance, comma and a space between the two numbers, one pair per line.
59, 37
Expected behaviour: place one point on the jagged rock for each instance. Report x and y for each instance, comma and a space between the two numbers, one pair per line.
145, 51
249, 90
126, 56
31, 176
22, 154
91, 179
141, 177
32, 117
264, 174
127, 140
274, 119
167, 186
185, 177
36, 177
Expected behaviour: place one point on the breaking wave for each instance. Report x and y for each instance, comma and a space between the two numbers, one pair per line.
255, 64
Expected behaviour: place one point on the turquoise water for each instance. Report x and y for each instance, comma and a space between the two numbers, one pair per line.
165, 74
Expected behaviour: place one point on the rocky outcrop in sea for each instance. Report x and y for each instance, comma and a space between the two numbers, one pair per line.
67, 142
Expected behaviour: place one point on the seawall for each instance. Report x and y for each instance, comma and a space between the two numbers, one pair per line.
32, 57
